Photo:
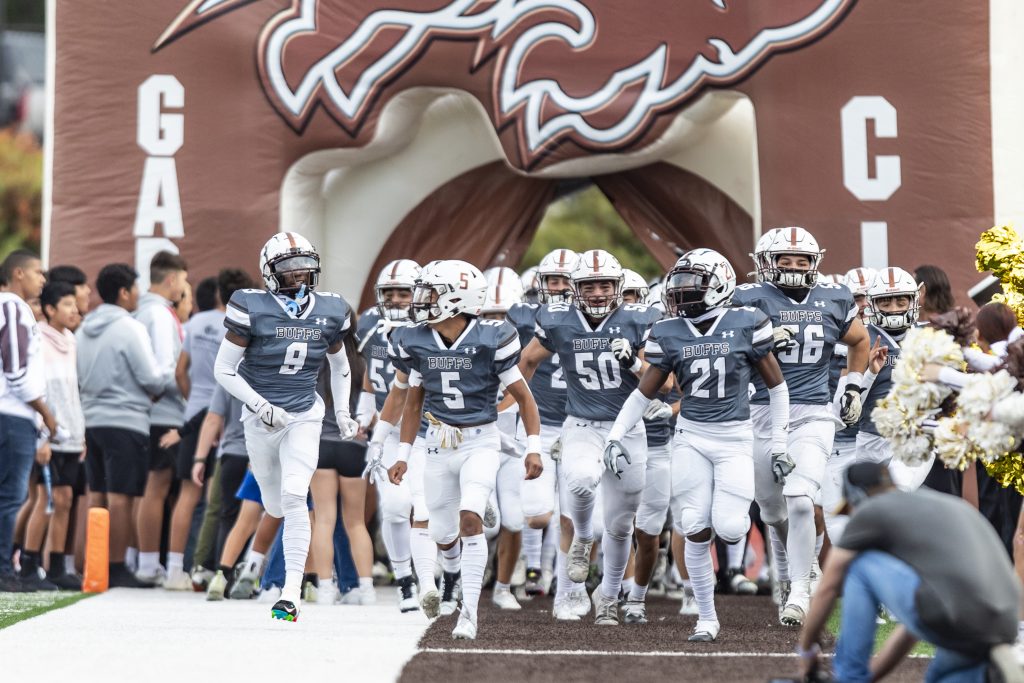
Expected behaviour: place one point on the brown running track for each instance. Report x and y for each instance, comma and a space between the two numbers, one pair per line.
749, 625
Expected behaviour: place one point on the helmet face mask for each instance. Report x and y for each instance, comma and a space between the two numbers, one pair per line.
685, 290
777, 257
290, 265
394, 289
701, 280
599, 303
446, 289
424, 306
559, 266
561, 292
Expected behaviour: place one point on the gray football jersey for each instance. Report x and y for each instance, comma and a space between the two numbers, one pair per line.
817, 323
547, 384
461, 382
400, 364
883, 382
285, 352
379, 367
596, 384
835, 371
712, 369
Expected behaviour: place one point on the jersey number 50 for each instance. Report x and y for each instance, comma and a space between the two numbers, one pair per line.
604, 374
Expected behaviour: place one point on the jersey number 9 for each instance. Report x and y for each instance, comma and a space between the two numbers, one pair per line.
294, 358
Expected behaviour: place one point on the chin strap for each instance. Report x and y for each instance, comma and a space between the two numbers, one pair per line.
296, 304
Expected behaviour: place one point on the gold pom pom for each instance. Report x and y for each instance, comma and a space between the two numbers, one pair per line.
1008, 471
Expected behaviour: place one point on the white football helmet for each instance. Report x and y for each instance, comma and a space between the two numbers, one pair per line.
787, 242
859, 280
400, 274
445, 289
632, 281
656, 296
529, 279
594, 266
700, 280
290, 265
504, 288
559, 262
890, 282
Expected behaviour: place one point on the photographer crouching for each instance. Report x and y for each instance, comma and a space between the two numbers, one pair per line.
936, 565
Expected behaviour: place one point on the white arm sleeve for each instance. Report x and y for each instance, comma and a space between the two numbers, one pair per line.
631, 413
778, 396
954, 379
840, 390
366, 408
225, 370
341, 380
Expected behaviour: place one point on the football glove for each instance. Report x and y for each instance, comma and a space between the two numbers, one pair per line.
657, 410
782, 465
447, 435
623, 352
375, 470
614, 450
347, 427
272, 417
782, 337
850, 405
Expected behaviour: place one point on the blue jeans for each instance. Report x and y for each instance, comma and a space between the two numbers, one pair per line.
17, 452
876, 578
343, 565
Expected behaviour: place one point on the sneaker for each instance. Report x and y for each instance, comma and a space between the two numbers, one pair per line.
407, 601
201, 577
270, 595
310, 585
360, 595
563, 609
430, 604
704, 632
578, 562
792, 615
9, 583
533, 586
739, 584
579, 601
815, 575
450, 593
519, 573
248, 578
634, 612
66, 582
465, 629
285, 610
606, 610
327, 593
689, 604
122, 577
505, 600
218, 584
31, 582
152, 576
178, 580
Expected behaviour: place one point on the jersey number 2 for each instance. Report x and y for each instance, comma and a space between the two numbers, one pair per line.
294, 358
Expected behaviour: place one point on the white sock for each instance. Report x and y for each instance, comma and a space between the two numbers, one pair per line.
533, 541
424, 557
702, 578
638, 592
253, 556
800, 547
818, 543
450, 557
366, 583
69, 564
149, 562
474, 559
499, 586
175, 562
736, 552
564, 584
581, 511
616, 556
131, 558
295, 543
627, 585
397, 539
779, 554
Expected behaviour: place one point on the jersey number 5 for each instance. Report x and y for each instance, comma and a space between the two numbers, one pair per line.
294, 358
452, 395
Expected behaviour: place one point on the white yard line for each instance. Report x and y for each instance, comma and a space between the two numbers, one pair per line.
602, 653
155, 635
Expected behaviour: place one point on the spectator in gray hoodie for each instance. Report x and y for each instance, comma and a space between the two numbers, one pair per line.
119, 377
168, 282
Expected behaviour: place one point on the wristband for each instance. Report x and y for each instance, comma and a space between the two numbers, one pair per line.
869, 379
399, 385
533, 443
404, 449
382, 431
637, 365
855, 379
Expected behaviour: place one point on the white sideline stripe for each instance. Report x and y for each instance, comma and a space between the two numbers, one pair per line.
605, 653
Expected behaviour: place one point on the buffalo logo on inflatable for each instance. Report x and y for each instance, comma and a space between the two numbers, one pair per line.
312, 54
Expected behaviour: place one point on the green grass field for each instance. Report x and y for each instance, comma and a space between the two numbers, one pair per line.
883, 633
15, 607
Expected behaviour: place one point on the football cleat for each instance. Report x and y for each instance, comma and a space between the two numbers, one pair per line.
505, 600
739, 584
563, 609
579, 601
450, 593
634, 612
533, 586
215, 589
704, 632
247, 581
578, 565
606, 610
792, 615
407, 601
285, 610
689, 604
465, 629
430, 604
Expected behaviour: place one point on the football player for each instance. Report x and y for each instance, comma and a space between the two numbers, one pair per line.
504, 289
634, 287
598, 340
711, 350
393, 291
808, 319
457, 362
554, 285
269, 360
